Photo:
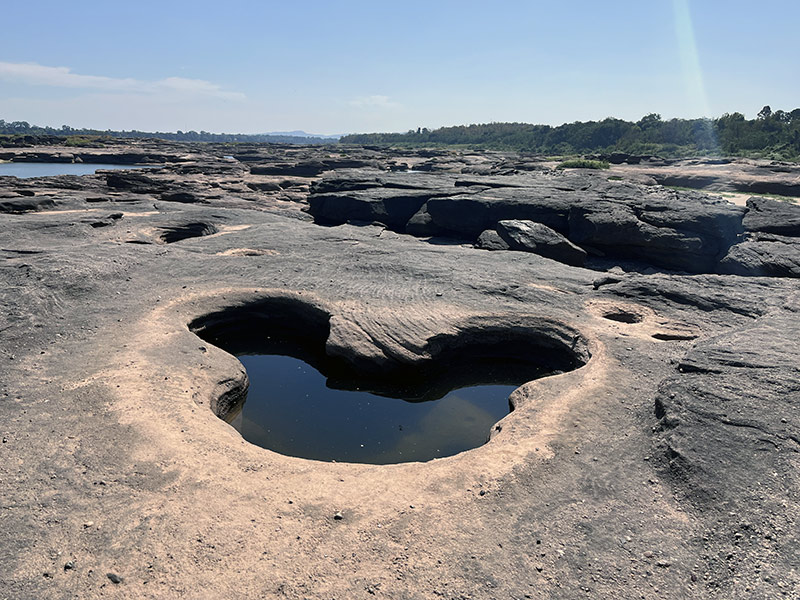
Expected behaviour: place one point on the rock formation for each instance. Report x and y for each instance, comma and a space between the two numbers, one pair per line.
661, 462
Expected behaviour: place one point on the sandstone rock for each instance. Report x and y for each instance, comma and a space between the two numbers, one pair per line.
23, 205
725, 175
421, 224
681, 231
308, 168
529, 236
720, 433
391, 198
491, 240
621, 233
772, 216
764, 255
183, 196
132, 181
392, 207
264, 186
95, 319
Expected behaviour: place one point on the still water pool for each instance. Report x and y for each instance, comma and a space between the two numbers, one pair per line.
291, 409
25, 170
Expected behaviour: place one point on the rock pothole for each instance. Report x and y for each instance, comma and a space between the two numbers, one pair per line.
302, 399
175, 233
623, 316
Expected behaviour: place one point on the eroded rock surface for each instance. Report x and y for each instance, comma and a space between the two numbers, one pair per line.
663, 462
678, 230
746, 176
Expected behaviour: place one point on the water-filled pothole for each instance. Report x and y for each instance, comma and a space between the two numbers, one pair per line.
292, 409
303, 402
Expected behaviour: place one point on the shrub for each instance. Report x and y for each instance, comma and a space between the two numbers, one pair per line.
582, 163
78, 141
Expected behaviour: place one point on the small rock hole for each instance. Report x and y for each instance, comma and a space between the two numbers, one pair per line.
623, 316
176, 233
674, 337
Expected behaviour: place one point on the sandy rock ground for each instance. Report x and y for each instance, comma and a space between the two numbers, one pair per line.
666, 466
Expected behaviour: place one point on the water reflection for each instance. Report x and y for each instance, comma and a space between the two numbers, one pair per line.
290, 409
26, 170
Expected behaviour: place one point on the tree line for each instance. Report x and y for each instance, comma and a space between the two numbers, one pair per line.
772, 134
20, 128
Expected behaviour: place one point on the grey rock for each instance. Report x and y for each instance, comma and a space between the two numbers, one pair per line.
471, 214
676, 230
23, 205
132, 181
529, 236
183, 196
764, 256
265, 186
491, 240
421, 224
389, 206
772, 216
718, 424
308, 168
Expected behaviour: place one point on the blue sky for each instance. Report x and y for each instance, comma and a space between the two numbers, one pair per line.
355, 66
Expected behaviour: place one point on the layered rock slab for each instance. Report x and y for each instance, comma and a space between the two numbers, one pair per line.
676, 230
771, 247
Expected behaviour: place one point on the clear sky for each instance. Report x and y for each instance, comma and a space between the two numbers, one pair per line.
338, 66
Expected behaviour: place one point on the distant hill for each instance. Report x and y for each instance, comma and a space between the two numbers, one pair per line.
302, 134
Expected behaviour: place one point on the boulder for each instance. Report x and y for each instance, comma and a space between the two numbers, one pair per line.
421, 224
764, 255
620, 233
491, 240
529, 236
772, 216
683, 231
